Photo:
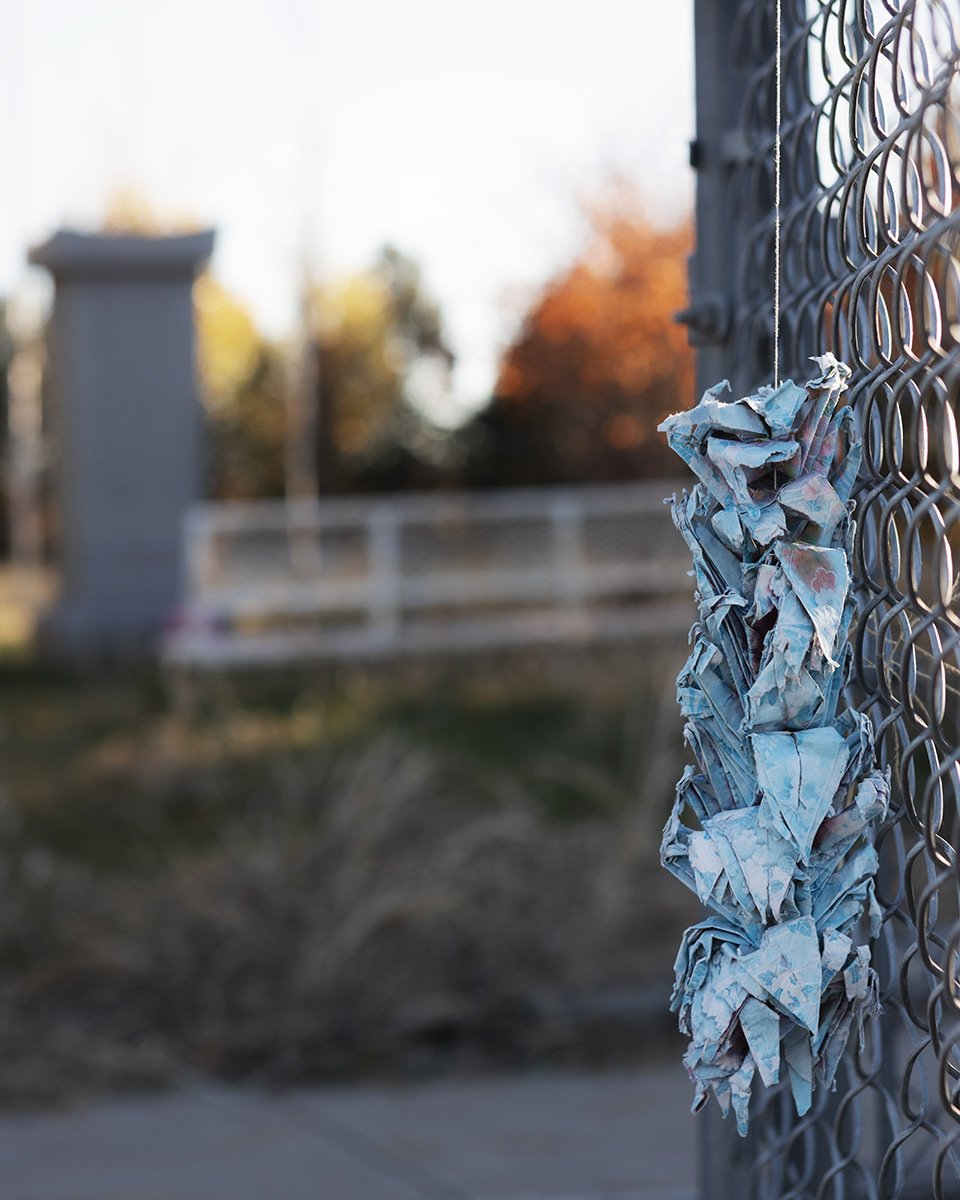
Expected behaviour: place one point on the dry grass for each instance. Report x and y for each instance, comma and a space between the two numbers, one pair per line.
291, 893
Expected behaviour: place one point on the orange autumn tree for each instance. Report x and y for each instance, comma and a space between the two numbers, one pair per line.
598, 361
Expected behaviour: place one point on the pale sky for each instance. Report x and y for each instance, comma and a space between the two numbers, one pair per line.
463, 133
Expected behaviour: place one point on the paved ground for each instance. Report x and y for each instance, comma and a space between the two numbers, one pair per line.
619, 1136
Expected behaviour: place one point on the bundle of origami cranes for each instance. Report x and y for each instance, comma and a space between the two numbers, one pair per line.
772, 828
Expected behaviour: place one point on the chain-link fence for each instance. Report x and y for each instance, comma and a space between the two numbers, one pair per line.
870, 227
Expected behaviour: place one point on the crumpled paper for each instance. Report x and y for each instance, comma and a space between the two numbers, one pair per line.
772, 826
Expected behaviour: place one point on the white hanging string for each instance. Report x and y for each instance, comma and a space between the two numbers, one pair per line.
776, 218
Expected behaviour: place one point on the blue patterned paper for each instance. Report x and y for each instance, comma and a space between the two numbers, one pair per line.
772, 826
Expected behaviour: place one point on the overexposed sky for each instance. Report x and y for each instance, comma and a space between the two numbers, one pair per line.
464, 133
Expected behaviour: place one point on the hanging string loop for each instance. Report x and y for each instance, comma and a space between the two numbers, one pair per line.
776, 208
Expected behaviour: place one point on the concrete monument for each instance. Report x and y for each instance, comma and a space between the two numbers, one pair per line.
128, 431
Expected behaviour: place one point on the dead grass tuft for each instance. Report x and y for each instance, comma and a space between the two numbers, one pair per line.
386, 903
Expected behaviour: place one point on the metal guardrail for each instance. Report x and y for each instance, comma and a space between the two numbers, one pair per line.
870, 270
272, 583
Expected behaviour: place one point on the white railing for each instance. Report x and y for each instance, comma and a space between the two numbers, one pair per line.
277, 582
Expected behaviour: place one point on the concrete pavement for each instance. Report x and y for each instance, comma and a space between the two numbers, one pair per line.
564, 1136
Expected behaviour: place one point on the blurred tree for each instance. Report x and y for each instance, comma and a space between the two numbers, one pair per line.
244, 383
130, 211
597, 363
7, 349
383, 364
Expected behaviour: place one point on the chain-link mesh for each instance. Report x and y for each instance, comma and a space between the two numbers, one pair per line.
870, 270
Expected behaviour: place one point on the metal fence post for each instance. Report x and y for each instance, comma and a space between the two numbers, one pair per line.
723, 1158
712, 266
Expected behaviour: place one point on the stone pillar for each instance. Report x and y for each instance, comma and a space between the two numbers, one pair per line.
127, 430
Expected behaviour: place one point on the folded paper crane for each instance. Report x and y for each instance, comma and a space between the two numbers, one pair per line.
772, 827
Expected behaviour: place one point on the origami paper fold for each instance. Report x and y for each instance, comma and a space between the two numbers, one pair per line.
772, 826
